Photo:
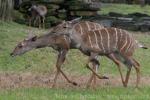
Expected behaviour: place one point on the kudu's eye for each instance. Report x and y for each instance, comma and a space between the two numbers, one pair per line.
65, 27
20, 46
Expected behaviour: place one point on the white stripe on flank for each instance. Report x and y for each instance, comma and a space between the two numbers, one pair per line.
121, 35
65, 38
90, 41
116, 37
96, 40
81, 30
124, 43
108, 41
88, 26
94, 26
102, 41
129, 44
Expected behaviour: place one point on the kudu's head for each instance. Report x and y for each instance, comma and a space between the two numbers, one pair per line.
33, 7
65, 27
24, 46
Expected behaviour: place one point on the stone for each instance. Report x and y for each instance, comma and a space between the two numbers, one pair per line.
83, 13
51, 1
52, 6
83, 7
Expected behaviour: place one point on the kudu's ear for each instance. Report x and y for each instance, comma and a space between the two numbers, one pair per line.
74, 21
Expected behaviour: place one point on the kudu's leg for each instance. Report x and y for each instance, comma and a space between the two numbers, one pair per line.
35, 21
127, 76
30, 22
39, 21
100, 77
90, 81
136, 65
95, 65
60, 61
137, 68
93, 55
118, 63
43, 21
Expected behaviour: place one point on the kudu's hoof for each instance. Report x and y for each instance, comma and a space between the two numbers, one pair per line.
125, 85
74, 83
105, 77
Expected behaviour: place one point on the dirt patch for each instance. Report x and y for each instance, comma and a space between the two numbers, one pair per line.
13, 80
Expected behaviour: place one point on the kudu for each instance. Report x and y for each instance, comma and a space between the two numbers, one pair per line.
37, 13
61, 43
116, 44
27, 45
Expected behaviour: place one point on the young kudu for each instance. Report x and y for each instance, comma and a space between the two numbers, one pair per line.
37, 13
116, 44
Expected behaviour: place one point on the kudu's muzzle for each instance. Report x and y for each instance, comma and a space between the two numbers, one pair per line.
12, 55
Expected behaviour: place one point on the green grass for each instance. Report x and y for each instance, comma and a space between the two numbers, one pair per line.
43, 61
124, 9
109, 93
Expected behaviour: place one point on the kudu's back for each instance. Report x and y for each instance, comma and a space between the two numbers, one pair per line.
109, 40
84, 26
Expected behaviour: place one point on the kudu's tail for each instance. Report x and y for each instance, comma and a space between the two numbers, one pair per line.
142, 46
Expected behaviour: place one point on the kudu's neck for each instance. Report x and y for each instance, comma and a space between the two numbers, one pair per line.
75, 38
43, 41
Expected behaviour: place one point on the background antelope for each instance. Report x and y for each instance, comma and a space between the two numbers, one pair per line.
37, 13
116, 44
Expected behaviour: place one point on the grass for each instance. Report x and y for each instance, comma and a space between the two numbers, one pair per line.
43, 61
124, 9
109, 93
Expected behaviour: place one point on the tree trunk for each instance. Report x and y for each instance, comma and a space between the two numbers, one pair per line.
6, 8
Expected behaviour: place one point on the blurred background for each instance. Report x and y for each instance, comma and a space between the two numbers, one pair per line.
127, 14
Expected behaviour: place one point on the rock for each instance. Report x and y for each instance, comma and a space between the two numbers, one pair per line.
83, 7
143, 25
137, 15
52, 12
50, 1
83, 13
128, 25
114, 14
62, 15
52, 6
106, 23
52, 20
